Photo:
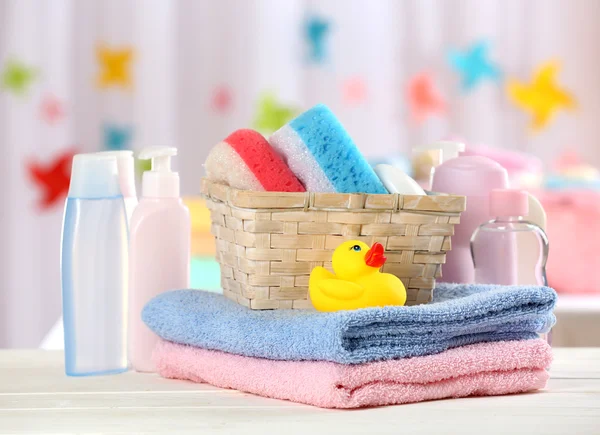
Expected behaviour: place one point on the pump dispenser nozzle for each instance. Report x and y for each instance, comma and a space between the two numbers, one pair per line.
160, 182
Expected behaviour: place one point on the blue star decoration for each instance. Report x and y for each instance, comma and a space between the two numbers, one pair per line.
474, 65
316, 29
117, 138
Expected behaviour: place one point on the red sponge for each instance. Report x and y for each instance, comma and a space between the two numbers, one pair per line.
260, 165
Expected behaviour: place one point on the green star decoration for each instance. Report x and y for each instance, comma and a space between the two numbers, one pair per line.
271, 115
142, 166
17, 77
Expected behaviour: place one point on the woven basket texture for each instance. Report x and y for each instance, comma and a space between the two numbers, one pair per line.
268, 242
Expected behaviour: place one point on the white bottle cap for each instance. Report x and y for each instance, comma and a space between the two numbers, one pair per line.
126, 169
448, 149
94, 176
160, 182
537, 214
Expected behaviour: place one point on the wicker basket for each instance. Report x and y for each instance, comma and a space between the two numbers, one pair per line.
268, 242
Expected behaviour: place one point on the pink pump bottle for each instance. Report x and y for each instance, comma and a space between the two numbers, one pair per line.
159, 249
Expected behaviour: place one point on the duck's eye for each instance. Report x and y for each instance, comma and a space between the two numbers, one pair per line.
356, 248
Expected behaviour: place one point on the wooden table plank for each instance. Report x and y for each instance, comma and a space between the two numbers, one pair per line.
36, 397
568, 393
424, 418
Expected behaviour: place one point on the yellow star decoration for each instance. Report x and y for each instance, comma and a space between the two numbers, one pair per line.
542, 98
114, 67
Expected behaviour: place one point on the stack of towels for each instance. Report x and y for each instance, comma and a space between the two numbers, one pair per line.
471, 340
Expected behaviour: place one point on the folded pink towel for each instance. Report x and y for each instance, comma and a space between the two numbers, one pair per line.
483, 369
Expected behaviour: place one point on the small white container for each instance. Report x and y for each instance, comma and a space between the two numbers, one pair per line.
396, 181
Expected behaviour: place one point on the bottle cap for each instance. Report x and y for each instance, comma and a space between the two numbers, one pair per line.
94, 176
536, 214
469, 176
509, 202
125, 165
160, 181
449, 149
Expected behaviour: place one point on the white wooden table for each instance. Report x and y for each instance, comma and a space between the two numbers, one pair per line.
36, 397
577, 321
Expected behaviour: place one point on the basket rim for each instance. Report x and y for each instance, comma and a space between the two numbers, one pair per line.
354, 202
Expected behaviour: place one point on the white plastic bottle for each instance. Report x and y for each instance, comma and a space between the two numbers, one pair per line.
126, 169
159, 249
94, 269
446, 150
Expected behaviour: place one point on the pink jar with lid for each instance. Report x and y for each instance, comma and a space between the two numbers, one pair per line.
474, 177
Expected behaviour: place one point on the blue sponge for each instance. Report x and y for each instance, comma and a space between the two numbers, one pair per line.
323, 156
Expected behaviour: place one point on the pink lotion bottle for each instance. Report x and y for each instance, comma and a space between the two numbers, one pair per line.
159, 250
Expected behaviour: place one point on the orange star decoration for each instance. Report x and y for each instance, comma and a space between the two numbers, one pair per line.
114, 66
355, 91
423, 97
542, 97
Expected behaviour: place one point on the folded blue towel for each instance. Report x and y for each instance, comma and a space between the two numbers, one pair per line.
460, 315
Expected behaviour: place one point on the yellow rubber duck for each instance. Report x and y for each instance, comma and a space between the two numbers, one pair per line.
357, 282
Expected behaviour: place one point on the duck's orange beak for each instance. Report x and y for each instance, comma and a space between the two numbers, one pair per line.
375, 257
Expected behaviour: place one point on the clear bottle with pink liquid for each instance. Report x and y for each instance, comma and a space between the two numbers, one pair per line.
509, 250
159, 249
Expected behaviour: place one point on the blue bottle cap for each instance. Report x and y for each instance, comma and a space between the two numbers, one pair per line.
94, 176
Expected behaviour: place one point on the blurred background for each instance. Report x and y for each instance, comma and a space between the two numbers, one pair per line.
90, 75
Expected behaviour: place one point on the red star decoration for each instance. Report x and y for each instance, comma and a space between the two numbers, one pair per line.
423, 98
221, 99
52, 179
51, 109
355, 91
